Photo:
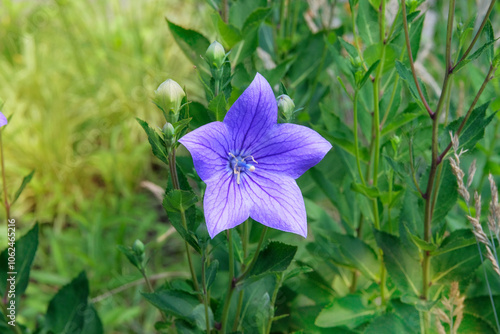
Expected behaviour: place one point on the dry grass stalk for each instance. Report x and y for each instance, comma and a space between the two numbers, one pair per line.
493, 219
457, 171
454, 305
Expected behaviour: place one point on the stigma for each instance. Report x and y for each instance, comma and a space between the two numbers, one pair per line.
239, 165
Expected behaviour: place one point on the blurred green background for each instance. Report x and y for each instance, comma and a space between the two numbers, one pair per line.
74, 75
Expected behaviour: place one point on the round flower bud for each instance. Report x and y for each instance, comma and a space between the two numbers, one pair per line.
356, 62
215, 54
138, 247
169, 134
286, 106
168, 97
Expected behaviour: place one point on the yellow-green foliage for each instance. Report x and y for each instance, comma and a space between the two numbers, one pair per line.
74, 75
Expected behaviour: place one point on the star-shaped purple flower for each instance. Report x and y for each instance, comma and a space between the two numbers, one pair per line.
250, 163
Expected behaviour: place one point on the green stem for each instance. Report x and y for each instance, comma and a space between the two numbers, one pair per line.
244, 238
487, 79
469, 49
151, 289
255, 256
279, 282
356, 140
412, 65
231, 283
175, 184
205, 294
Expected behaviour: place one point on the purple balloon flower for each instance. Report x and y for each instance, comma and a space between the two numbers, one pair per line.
3, 119
250, 164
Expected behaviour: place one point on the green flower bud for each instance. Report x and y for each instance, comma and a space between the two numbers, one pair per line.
356, 62
286, 106
138, 247
215, 55
168, 97
169, 134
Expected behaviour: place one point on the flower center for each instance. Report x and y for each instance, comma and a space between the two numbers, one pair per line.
239, 164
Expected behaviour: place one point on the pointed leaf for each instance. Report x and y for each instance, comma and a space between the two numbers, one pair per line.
26, 180
191, 42
275, 257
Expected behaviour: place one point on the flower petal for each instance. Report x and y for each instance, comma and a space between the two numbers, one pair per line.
209, 148
224, 204
3, 120
277, 202
290, 149
252, 115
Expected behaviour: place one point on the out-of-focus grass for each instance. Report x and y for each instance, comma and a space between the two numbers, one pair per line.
74, 75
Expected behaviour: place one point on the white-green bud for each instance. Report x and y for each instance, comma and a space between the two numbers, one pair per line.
169, 134
215, 55
168, 97
356, 62
286, 106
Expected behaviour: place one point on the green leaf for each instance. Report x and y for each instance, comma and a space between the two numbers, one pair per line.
455, 265
191, 42
218, 106
357, 254
92, 322
490, 37
179, 200
370, 192
255, 19
387, 324
351, 50
419, 303
229, 34
401, 262
416, 35
398, 121
474, 324
473, 130
211, 273
350, 311
367, 74
157, 144
448, 195
65, 312
26, 180
25, 250
419, 242
367, 23
407, 77
456, 240
179, 304
276, 257
131, 256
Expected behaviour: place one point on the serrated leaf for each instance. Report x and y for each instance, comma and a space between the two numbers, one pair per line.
174, 204
490, 37
218, 107
367, 74
26, 180
25, 250
455, 265
350, 311
402, 263
419, 242
229, 34
456, 240
179, 200
355, 253
276, 257
179, 304
92, 322
192, 43
157, 144
351, 50
416, 35
367, 23
211, 273
255, 19
473, 130
387, 324
65, 311
370, 192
